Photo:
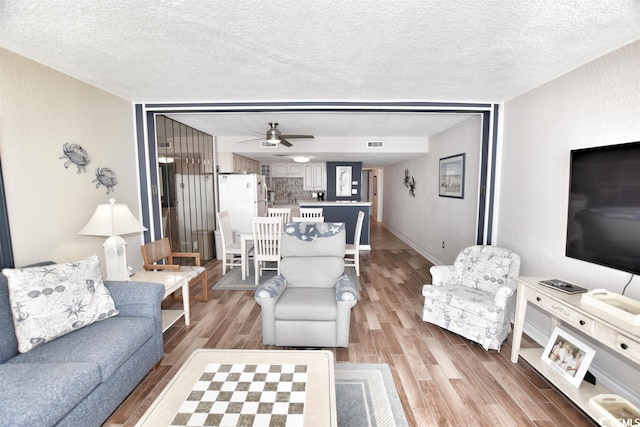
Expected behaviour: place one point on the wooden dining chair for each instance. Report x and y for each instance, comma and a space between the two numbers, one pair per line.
267, 234
311, 212
352, 251
284, 213
231, 251
307, 219
159, 256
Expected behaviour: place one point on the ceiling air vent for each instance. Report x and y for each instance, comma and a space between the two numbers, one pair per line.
265, 144
375, 144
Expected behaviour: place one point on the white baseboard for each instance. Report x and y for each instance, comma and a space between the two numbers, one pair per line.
432, 259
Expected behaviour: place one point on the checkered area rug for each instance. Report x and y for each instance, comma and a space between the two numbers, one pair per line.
274, 395
246, 395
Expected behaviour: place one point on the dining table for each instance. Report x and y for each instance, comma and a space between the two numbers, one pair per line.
245, 238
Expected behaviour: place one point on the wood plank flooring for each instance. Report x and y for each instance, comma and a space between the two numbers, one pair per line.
442, 379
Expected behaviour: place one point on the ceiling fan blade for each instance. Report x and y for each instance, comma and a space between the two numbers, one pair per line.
249, 140
285, 142
296, 136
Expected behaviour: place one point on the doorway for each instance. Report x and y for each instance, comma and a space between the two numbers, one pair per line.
186, 187
145, 114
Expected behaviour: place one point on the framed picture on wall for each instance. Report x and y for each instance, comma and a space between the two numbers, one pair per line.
452, 176
343, 181
568, 356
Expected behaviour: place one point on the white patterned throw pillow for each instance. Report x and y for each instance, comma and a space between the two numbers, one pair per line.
52, 300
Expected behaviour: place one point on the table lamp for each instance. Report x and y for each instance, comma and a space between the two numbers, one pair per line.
112, 220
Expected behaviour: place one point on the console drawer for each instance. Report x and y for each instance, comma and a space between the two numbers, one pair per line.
628, 347
564, 313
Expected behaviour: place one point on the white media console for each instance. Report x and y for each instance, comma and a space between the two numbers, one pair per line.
608, 330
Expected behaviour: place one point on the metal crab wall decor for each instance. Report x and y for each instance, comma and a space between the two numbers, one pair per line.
106, 177
412, 187
410, 183
75, 154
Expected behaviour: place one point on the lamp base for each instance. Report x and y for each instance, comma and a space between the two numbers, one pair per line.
115, 255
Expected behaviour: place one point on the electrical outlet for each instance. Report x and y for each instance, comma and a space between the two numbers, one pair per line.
195, 246
443, 244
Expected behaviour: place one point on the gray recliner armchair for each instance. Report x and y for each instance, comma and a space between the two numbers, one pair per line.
309, 303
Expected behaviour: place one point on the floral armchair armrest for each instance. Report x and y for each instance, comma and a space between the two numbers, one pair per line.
504, 295
442, 275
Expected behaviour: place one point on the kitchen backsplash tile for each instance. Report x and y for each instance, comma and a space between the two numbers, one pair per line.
289, 190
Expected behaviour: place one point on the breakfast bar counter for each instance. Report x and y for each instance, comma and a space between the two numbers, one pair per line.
347, 212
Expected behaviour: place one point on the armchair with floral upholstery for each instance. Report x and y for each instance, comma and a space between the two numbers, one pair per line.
309, 303
475, 296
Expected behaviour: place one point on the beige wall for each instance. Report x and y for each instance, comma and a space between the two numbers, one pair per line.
40, 110
426, 220
594, 105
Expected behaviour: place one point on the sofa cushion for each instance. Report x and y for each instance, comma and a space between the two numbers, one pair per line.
307, 304
107, 344
320, 272
50, 301
40, 394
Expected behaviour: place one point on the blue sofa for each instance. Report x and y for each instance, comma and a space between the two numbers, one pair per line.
79, 379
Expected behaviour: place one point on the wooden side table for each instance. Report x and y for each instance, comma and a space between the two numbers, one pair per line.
172, 281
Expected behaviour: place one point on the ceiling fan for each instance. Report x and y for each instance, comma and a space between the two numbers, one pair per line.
274, 136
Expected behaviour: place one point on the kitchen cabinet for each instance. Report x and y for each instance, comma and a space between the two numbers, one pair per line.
265, 170
279, 170
294, 170
231, 162
286, 170
314, 176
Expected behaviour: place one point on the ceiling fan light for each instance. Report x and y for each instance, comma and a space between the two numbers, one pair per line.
273, 134
301, 159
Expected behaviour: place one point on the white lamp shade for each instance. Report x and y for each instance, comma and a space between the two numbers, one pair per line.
113, 219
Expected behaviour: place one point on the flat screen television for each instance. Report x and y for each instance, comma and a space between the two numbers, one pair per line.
603, 225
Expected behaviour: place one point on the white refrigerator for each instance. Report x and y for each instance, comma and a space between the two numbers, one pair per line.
244, 196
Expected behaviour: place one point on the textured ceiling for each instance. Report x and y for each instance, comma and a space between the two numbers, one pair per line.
293, 50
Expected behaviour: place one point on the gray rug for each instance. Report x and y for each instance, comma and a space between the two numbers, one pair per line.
366, 396
233, 280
